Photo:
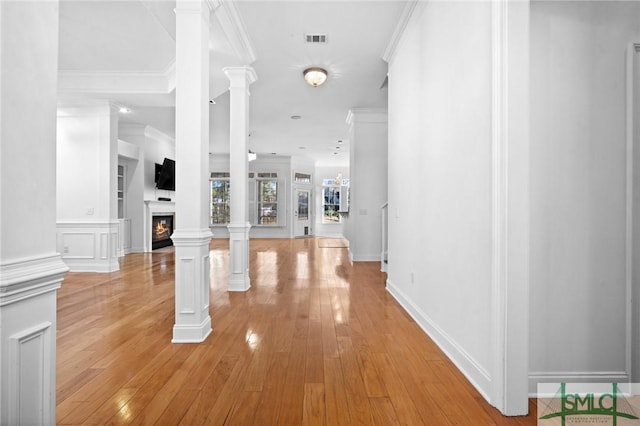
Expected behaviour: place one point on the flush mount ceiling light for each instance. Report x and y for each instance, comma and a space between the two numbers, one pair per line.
315, 76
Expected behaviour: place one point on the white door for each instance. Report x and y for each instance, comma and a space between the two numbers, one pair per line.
302, 213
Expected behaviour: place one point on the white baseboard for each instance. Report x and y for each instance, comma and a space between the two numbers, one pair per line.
80, 265
365, 257
473, 371
574, 377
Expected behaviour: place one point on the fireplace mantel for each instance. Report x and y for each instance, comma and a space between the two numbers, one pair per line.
155, 208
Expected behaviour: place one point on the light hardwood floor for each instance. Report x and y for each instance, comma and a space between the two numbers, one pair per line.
316, 340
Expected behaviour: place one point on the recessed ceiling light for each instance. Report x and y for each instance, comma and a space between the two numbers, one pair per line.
124, 110
335, 153
302, 147
338, 147
296, 117
339, 141
211, 101
274, 153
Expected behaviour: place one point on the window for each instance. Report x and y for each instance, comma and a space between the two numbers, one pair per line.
267, 201
262, 198
220, 201
330, 202
301, 178
121, 188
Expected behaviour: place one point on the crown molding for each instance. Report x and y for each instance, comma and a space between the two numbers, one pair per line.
116, 81
234, 29
405, 17
170, 75
367, 115
153, 133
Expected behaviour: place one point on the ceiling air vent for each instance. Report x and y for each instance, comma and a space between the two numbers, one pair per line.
316, 38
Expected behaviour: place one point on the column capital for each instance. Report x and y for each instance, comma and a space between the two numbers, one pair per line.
239, 76
191, 237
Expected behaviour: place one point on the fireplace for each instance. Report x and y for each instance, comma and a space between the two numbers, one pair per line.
161, 230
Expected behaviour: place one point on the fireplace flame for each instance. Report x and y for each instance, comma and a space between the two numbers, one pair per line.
161, 230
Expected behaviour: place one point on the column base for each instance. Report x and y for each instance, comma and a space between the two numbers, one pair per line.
239, 257
185, 333
28, 289
193, 322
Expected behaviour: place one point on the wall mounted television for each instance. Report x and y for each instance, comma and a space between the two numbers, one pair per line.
166, 175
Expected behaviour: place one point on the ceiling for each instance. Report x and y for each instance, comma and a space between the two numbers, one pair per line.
124, 51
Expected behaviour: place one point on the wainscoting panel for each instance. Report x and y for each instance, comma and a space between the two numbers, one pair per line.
205, 282
187, 294
31, 375
89, 246
78, 245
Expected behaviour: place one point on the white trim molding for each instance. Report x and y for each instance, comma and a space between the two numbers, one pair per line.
407, 13
510, 206
234, 29
143, 82
367, 115
632, 334
472, 370
574, 377
26, 278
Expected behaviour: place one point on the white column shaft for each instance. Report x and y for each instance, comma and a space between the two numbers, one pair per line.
30, 269
240, 79
192, 235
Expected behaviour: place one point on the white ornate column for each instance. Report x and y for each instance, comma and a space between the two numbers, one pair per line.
192, 235
240, 78
30, 269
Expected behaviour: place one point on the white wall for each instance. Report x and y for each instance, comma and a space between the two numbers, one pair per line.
321, 173
439, 191
368, 134
578, 167
87, 155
